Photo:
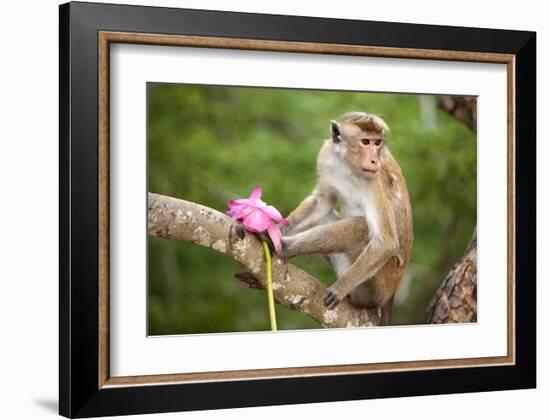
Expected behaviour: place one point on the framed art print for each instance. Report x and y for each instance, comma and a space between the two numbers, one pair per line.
260, 209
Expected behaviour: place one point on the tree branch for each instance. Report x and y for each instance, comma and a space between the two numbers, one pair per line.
462, 108
171, 218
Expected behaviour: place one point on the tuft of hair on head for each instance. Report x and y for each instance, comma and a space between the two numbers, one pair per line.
367, 122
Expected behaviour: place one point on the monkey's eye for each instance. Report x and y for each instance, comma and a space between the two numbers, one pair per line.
366, 142
377, 142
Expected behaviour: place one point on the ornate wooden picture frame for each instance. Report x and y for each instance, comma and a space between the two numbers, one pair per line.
87, 31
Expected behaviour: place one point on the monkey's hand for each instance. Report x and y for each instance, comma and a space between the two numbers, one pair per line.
333, 297
285, 230
286, 250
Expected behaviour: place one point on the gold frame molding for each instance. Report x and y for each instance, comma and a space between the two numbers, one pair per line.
106, 38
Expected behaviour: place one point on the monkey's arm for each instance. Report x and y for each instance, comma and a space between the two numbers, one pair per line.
311, 211
332, 238
370, 261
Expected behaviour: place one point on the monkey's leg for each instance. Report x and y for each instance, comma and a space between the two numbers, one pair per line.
332, 238
372, 259
330, 217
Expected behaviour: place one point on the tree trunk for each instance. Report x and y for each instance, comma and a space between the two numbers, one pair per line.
456, 298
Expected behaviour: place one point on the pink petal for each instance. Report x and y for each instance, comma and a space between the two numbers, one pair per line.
274, 214
256, 215
240, 204
255, 220
237, 207
275, 235
235, 210
234, 214
256, 193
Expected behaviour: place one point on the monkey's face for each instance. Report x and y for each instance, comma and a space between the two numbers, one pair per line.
363, 146
364, 153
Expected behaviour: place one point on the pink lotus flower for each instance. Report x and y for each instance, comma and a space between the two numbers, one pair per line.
256, 216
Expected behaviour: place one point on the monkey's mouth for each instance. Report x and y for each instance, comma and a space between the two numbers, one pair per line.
370, 171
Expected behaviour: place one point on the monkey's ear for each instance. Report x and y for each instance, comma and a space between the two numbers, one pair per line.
335, 131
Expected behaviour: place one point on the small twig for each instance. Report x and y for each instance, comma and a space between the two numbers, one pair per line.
248, 279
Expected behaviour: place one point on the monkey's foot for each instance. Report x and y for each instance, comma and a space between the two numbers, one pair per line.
332, 298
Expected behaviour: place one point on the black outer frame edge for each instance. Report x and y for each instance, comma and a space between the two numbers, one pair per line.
145, 19
78, 384
64, 220
525, 160
238, 394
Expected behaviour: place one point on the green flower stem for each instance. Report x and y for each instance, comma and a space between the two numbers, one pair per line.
269, 287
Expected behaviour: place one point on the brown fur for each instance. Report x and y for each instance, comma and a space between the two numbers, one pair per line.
369, 242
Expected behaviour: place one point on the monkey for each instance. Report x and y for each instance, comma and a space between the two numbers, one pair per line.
368, 240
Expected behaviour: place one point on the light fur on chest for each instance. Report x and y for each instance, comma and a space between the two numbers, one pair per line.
354, 194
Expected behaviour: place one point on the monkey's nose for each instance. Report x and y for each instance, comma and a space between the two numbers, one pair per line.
371, 165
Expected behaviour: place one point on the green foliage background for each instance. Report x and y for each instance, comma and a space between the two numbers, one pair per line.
211, 144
